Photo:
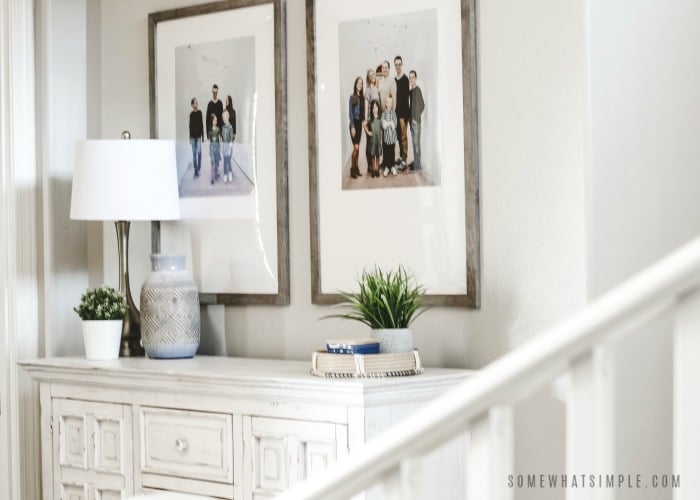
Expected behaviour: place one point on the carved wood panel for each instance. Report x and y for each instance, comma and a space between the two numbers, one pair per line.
93, 443
284, 452
72, 440
73, 492
106, 494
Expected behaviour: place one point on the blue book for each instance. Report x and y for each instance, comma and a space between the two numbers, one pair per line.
353, 346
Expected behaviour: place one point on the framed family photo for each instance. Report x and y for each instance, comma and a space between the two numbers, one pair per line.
393, 145
218, 89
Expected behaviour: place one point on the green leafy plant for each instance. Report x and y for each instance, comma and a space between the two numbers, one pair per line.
387, 299
103, 303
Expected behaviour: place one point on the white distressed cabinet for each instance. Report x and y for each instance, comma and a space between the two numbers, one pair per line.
215, 426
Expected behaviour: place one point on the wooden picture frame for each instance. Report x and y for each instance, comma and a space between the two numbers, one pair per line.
427, 220
235, 231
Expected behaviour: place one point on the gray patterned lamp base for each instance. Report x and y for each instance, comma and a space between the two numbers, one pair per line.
169, 310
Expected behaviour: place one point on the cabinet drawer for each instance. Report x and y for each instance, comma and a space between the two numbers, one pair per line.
187, 444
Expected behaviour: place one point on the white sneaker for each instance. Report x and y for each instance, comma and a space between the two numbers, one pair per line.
386, 171
393, 171
230, 176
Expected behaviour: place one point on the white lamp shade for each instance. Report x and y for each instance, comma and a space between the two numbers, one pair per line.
125, 179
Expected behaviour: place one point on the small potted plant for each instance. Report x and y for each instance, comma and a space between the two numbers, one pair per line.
388, 302
102, 311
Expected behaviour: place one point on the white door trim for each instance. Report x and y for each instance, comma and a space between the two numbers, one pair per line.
19, 270
6, 230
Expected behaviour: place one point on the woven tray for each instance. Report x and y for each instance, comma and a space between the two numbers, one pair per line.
324, 364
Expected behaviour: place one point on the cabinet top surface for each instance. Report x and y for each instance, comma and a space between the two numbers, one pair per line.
207, 369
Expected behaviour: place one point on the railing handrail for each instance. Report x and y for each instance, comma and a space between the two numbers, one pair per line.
631, 304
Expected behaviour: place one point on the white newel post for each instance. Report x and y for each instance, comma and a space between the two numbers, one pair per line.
490, 455
686, 398
589, 421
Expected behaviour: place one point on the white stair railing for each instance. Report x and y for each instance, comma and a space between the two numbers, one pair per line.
482, 405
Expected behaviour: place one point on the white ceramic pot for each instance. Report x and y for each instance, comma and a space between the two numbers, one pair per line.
394, 339
102, 339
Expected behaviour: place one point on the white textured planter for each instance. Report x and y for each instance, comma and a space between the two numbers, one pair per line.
102, 339
394, 339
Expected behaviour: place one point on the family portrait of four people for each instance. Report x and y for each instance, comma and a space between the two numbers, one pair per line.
220, 132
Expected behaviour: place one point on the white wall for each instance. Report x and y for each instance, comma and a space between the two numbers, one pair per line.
532, 111
62, 119
541, 240
42, 100
643, 198
532, 126
532, 194
533, 255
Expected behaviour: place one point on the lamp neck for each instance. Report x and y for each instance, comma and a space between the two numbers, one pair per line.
122, 228
131, 326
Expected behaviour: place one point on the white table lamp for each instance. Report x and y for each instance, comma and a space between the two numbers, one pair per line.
124, 181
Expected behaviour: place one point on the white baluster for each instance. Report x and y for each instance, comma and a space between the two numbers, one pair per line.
391, 485
590, 423
490, 455
686, 398
411, 479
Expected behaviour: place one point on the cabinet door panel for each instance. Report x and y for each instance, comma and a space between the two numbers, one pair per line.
93, 444
108, 449
73, 492
72, 445
271, 458
284, 452
108, 494
315, 456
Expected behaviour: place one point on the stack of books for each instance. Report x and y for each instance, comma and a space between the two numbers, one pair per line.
360, 358
354, 346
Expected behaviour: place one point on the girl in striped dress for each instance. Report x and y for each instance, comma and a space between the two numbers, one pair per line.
389, 121
214, 148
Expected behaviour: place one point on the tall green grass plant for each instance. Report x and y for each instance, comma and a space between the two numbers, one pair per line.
387, 299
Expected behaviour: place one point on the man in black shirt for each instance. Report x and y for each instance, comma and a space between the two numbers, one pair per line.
215, 107
417, 108
196, 135
403, 111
